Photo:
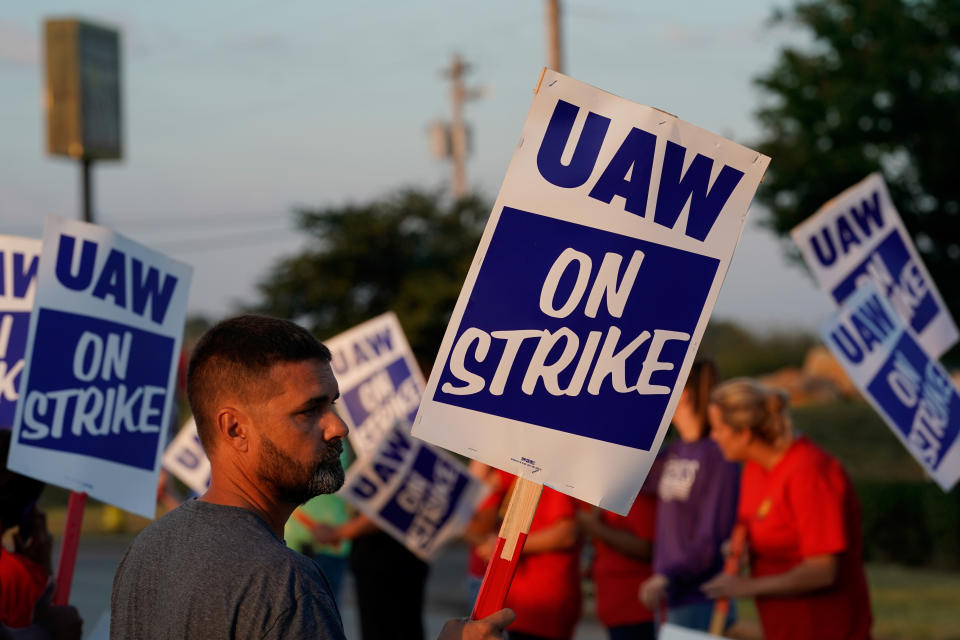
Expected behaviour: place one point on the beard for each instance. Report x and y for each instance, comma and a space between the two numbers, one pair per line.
295, 482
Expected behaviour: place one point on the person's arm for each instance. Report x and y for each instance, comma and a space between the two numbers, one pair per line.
355, 527
622, 540
358, 525
562, 534
813, 573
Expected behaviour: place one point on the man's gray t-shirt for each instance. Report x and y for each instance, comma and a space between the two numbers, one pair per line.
212, 571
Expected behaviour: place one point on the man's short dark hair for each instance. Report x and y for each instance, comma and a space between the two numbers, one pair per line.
236, 355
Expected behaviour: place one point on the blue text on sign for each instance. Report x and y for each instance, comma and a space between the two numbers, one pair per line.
628, 174
847, 231
122, 278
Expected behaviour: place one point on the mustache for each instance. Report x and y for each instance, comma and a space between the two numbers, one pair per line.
334, 450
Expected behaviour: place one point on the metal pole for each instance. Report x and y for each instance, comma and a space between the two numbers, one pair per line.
86, 191
554, 36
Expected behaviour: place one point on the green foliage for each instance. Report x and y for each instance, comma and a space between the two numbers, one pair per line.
878, 91
906, 518
860, 439
910, 523
408, 252
739, 352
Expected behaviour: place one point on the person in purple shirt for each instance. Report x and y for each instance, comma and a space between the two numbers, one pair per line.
696, 508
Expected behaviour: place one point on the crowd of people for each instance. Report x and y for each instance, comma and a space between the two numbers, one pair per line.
262, 392
734, 461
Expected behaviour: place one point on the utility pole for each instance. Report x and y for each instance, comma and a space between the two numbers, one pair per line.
451, 140
554, 36
458, 130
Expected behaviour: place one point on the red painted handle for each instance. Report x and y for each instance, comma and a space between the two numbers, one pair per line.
516, 525
497, 579
68, 549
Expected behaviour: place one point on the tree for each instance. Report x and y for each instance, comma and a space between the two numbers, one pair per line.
878, 91
408, 252
737, 351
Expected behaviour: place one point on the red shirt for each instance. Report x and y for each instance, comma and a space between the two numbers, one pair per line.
806, 506
545, 593
618, 576
22, 582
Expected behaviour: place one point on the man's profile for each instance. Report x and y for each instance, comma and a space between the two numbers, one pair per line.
262, 393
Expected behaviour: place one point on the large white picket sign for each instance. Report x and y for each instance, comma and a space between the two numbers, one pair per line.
19, 258
186, 459
910, 390
379, 379
589, 293
421, 496
101, 363
859, 237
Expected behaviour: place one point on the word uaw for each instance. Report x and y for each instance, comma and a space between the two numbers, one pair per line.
95, 409
589, 360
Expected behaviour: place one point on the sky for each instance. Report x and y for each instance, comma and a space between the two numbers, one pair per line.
237, 113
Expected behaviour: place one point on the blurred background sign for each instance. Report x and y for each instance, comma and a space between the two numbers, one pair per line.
82, 96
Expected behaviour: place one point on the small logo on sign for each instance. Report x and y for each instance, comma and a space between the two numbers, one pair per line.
528, 463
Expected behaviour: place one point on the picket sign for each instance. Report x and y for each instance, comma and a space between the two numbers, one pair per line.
858, 237
731, 566
580, 317
96, 390
380, 381
420, 495
585, 303
19, 258
186, 459
910, 390
673, 632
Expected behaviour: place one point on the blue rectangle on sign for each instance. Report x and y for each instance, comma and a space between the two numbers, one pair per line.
898, 277
14, 326
426, 499
920, 400
384, 397
96, 388
596, 352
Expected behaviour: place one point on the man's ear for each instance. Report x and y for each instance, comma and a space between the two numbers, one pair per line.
233, 426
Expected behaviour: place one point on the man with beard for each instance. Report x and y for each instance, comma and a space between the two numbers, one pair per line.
262, 392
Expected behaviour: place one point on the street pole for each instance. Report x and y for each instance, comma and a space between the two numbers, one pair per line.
86, 192
554, 36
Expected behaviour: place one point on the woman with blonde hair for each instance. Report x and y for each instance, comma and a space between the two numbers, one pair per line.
802, 517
